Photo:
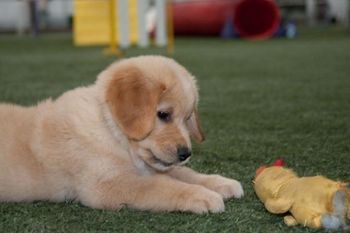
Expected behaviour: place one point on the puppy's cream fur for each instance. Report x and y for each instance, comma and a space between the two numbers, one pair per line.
104, 145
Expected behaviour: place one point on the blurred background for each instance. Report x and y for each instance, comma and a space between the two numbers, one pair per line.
189, 17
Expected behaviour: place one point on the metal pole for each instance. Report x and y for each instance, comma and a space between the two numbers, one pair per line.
170, 27
311, 12
113, 48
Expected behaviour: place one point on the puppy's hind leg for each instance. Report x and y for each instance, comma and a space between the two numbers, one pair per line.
156, 193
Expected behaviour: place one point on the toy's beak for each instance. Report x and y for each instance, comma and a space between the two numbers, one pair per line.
259, 170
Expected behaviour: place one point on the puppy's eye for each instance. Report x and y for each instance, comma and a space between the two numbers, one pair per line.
164, 116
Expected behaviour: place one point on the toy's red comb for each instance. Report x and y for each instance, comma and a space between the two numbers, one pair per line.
278, 163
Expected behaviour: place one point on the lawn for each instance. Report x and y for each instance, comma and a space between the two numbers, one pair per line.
259, 101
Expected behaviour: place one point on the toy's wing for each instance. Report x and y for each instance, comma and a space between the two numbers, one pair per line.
278, 206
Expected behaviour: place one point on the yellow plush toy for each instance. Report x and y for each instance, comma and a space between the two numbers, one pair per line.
312, 201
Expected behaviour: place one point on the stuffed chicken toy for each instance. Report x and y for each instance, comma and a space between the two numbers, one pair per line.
310, 201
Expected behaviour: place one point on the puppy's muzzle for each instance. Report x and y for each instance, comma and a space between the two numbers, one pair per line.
183, 153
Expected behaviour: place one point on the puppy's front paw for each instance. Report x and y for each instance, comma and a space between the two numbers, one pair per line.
227, 188
201, 200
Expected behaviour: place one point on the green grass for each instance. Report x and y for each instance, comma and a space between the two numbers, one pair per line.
259, 101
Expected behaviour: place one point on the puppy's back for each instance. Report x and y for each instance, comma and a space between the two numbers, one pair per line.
16, 159
16, 122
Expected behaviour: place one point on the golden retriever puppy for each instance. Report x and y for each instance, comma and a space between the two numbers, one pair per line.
119, 142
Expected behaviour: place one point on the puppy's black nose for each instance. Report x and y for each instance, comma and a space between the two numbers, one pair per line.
183, 153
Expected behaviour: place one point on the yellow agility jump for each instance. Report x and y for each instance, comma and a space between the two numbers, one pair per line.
121, 23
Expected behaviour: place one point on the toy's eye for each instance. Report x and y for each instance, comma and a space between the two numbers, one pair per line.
164, 116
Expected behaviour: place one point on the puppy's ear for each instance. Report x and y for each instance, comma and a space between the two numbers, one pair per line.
133, 100
194, 127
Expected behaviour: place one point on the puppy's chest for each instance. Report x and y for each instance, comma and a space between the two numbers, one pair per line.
143, 169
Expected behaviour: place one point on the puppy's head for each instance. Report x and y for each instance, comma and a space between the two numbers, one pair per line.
153, 100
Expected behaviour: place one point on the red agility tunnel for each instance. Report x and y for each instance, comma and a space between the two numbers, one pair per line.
251, 19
